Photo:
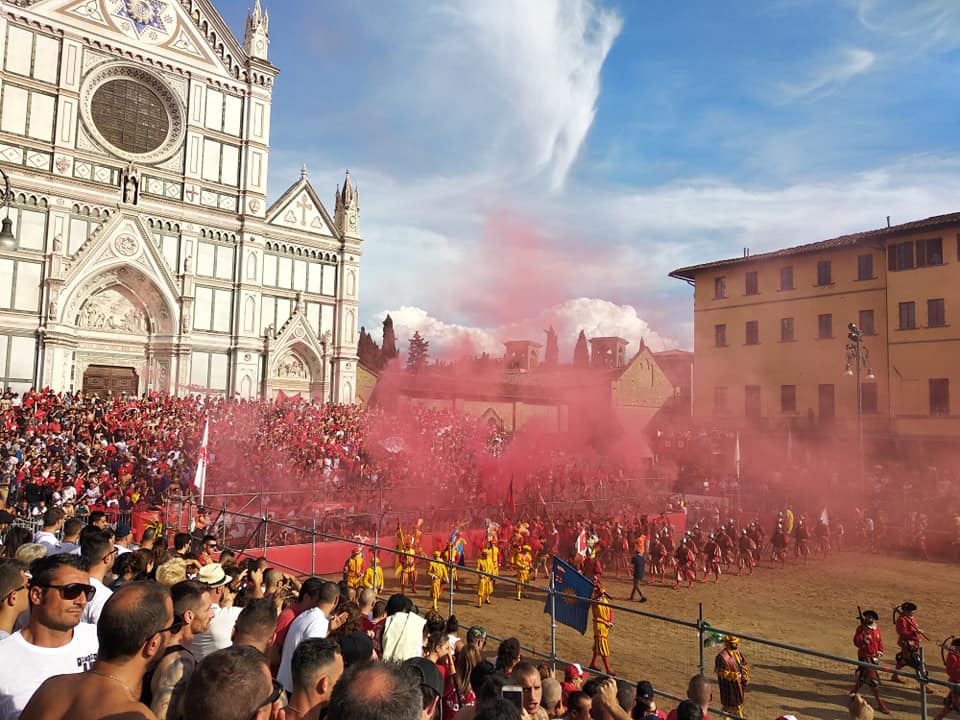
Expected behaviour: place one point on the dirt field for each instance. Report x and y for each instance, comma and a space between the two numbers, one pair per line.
812, 606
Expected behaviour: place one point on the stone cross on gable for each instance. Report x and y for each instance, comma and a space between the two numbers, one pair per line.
304, 204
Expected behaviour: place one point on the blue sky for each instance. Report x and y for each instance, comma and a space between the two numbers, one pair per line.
549, 162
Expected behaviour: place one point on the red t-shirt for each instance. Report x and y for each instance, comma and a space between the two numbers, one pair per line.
283, 627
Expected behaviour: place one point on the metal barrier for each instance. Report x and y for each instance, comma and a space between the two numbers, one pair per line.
784, 676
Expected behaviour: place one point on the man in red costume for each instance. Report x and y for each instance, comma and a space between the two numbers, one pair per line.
909, 636
952, 664
686, 564
869, 644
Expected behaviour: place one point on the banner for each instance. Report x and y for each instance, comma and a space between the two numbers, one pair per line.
570, 586
200, 479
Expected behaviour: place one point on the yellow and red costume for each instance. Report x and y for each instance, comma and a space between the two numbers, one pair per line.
408, 569
353, 569
523, 562
373, 579
438, 576
484, 582
733, 674
602, 622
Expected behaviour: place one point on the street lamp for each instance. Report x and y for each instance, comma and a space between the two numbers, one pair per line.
858, 360
7, 240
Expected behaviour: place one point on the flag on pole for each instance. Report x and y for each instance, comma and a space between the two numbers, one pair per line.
736, 456
200, 479
572, 592
511, 503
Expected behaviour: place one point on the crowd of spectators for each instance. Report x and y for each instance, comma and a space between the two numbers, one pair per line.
121, 453
96, 625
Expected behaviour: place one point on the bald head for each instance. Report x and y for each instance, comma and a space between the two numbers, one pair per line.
377, 689
133, 615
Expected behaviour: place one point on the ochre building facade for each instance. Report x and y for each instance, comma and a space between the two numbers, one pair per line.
771, 330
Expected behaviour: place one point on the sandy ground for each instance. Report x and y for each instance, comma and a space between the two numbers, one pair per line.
812, 606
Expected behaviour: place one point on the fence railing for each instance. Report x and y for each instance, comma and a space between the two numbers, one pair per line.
786, 678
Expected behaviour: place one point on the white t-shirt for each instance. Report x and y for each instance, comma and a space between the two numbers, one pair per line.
219, 635
91, 613
47, 539
24, 667
310, 623
403, 636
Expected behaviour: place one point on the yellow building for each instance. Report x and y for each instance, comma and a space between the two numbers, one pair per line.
770, 332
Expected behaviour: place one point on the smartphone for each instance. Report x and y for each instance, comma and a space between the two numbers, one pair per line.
513, 693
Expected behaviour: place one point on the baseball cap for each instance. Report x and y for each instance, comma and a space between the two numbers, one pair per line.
573, 671
477, 631
428, 673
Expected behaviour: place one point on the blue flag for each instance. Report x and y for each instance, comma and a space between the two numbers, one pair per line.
569, 586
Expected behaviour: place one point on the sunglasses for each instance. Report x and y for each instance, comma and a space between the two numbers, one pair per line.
71, 591
274, 696
175, 627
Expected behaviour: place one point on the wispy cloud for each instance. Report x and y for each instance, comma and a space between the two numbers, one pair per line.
833, 73
930, 22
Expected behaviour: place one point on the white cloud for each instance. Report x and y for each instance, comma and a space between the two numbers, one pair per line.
931, 22
539, 62
596, 317
832, 74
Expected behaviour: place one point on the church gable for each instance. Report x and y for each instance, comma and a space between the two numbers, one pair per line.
121, 239
162, 26
300, 209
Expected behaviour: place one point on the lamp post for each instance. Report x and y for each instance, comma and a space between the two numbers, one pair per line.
858, 361
7, 240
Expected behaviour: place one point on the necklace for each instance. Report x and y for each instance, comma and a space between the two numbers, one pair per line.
115, 679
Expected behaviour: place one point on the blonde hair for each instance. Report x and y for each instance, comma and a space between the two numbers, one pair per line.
28, 552
171, 572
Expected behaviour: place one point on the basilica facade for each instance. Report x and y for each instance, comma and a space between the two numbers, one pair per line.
135, 135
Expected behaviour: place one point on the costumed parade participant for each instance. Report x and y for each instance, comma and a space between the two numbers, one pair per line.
374, 579
523, 561
733, 674
950, 649
869, 644
353, 569
909, 637
438, 575
686, 564
408, 569
484, 582
602, 622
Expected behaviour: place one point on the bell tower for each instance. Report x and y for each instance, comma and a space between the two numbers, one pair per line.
346, 214
256, 40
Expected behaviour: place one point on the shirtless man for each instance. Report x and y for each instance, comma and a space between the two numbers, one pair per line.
133, 631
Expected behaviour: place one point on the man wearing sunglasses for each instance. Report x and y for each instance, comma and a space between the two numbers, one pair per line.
13, 594
134, 628
98, 550
55, 641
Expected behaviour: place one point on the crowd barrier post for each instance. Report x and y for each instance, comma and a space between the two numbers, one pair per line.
313, 547
922, 679
553, 621
700, 635
180, 515
266, 531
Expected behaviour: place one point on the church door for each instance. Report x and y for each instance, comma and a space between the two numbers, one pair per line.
106, 379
